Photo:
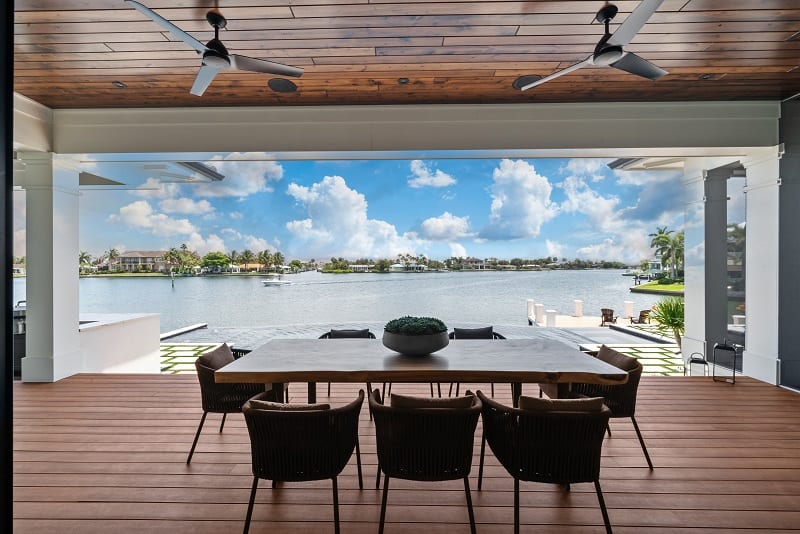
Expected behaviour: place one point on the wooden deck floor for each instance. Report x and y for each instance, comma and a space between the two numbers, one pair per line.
106, 453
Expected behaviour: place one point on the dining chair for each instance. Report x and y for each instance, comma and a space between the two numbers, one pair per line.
349, 334
425, 439
552, 441
486, 332
219, 398
301, 443
620, 399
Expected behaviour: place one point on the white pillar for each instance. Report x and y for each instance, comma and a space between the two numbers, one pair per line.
539, 313
530, 308
578, 308
53, 345
550, 318
627, 309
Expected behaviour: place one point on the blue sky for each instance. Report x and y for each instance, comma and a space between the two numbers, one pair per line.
505, 208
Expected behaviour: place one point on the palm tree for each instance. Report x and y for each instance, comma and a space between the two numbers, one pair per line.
84, 259
112, 255
265, 258
233, 257
247, 258
278, 259
668, 247
669, 314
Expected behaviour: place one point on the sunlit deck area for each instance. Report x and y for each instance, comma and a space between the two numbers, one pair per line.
106, 453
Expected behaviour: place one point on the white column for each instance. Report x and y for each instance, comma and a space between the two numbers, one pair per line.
762, 259
53, 345
578, 308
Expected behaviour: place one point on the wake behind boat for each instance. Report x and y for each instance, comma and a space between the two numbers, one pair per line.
275, 280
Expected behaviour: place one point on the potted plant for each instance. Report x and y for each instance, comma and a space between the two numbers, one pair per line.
415, 336
669, 315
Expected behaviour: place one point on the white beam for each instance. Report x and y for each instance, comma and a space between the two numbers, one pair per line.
33, 125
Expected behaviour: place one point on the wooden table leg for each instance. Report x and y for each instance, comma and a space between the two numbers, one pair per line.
516, 391
312, 392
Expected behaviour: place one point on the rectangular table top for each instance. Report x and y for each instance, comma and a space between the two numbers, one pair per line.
367, 360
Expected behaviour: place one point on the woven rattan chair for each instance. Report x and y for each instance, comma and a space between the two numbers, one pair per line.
219, 398
472, 333
349, 334
301, 445
428, 444
557, 447
607, 316
621, 399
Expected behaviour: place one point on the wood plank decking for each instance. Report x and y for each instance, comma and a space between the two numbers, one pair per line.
106, 453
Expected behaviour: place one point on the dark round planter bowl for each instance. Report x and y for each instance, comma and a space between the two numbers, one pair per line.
415, 345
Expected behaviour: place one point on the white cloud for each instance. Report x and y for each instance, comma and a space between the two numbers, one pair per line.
337, 224
424, 176
608, 249
446, 227
554, 249
643, 178
236, 215
140, 215
155, 188
520, 201
187, 206
243, 175
201, 245
592, 168
457, 251
249, 242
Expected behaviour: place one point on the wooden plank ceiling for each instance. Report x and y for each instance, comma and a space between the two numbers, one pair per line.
68, 52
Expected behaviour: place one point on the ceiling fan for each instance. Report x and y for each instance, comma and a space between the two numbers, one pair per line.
215, 56
609, 52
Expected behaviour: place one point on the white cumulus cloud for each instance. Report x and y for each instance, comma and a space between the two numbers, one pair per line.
338, 225
520, 201
236, 215
186, 206
446, 227
247, 241
595, 169
554, 249
243, 175
155, 188
423, 176
457, 251
201, 245
140, 215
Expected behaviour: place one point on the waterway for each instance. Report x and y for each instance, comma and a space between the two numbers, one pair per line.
459, 297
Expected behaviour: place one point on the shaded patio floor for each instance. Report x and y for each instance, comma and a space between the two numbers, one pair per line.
106, 453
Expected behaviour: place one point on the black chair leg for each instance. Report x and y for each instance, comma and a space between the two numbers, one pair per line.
480, 465
641, 442
603, 506
608, 429
492, 389
369, 392
458, 388
516, 506
335, 506
196, 437
439, 387
378, 477
469, 506
222, 424
358, 464
329, 389
450, 391
383, 503
431, 389
250, 505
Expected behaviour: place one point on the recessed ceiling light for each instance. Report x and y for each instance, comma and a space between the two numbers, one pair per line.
119, 84
282, 85
522, 81
403, 81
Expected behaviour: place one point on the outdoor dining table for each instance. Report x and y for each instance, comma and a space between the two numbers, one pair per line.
516, 361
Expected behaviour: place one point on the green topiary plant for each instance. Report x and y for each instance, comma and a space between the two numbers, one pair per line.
415, 326
670, 318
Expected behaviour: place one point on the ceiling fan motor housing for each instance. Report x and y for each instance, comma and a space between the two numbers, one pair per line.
217, 55
607, 55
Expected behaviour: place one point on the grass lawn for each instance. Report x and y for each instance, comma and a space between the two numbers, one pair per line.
655, 287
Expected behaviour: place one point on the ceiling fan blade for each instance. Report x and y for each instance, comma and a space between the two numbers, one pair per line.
204, 78
262, 65
636, 65
635, 21
585, 63
174, 30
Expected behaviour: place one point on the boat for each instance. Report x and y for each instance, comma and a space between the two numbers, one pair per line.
275, 280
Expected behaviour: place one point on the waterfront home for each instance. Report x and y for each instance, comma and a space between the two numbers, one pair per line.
360, 268
142, 260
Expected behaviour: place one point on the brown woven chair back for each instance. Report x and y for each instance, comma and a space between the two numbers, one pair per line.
486, 332
554, 447
621, 399
424, 443
348, 334
294, 446
221, 398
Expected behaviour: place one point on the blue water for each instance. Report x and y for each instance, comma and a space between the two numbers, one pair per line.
469, 297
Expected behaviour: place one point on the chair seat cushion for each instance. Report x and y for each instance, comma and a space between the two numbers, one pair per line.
473, 333
281, 407
535, 404
217, 358
617, 359
404, 401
